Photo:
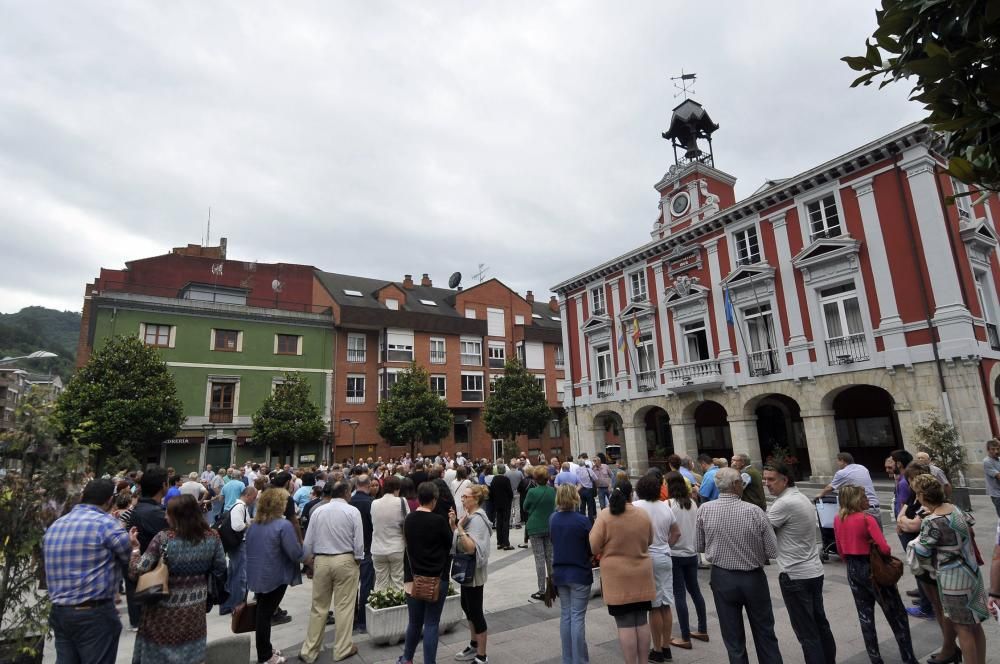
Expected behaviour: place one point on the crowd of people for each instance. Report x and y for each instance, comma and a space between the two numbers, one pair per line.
419, 525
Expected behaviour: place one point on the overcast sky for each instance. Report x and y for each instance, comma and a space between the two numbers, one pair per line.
383, 138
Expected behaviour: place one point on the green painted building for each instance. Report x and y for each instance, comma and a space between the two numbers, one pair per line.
226, 358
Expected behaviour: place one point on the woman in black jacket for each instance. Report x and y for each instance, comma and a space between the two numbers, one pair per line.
428, 539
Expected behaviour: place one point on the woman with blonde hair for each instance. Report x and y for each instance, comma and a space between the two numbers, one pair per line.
473, 535
855, 531
572, 572
945, 547
273, 555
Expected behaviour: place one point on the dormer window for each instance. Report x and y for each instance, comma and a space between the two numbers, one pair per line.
637, 284
596, 301
824, 220
392, 304
747, 246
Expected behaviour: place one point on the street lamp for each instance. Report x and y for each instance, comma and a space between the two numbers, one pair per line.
354, 431
37, 355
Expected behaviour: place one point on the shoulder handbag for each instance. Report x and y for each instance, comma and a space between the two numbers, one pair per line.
886, 570
463, 565
425, 588
154, 585
244, 618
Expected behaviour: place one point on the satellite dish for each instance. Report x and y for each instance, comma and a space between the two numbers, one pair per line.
454, 280
276, 286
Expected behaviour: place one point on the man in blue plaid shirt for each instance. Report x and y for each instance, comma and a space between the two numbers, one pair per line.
84, 553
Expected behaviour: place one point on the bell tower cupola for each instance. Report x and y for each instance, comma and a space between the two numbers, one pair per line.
690, 123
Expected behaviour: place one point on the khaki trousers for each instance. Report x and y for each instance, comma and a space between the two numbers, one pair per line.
388, 571
334, 577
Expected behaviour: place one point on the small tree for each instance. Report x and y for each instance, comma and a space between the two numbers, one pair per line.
950, 48
288, 416
123, 400
412, 413
516, 406
31, 497
941, 441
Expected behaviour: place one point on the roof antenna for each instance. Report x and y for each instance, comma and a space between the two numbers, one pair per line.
208, 229
683, 85
483, 269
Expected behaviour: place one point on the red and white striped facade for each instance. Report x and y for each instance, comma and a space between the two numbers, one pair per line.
855, 273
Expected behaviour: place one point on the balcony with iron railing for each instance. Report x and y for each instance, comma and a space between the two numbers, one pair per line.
700, 375
605, 387
993, 335
847, 349
646, 381
763, 362
355, 355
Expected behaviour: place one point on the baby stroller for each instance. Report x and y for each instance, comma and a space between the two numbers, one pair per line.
826, 510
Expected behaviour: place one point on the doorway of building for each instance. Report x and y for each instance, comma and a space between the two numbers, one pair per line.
711, 428
779, 425
867, 425
219, 453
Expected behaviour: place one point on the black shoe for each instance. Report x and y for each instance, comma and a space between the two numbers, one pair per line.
538, 596
280, 612
913, 593
667, 657
954, 659
655, 656
329, 619
280, 620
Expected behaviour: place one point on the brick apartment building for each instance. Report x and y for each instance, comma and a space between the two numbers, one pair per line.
228, 330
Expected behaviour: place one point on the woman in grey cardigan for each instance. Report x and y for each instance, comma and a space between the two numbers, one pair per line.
473, 534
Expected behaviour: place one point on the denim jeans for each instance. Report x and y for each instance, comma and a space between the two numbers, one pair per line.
686, 578
236, 582
573, 600
588, 505
804, 601
425, 619
86, 636
603, 493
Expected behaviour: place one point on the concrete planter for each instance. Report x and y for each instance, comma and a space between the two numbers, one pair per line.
388, 626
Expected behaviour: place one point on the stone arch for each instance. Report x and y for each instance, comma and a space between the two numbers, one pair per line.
654, 422
711, 428
779, 425
867, 424
609, 430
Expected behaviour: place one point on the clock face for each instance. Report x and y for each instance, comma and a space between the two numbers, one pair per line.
679, 204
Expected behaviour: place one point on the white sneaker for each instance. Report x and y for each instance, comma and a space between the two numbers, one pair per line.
466, 655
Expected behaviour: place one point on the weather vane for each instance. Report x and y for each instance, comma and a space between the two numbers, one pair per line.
683, 85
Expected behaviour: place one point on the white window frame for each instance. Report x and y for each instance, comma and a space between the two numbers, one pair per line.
540, 382
468, 345
392, 304
638, 286
171, 334
473, 375
604, 367
598, 301
382, 384
703, 321
805, 222
559, 356
399, 347
646, 351
298, 343
963, 204
355, 398
470, 313
737, 243
497, 350
555, 430
444, 385
362, 348
235, 381
495, 317
239, 340
438, 357
518, 319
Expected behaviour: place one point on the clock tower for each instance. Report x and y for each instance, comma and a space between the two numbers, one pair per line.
693, 189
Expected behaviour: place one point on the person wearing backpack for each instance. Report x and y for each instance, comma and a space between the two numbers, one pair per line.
232, 527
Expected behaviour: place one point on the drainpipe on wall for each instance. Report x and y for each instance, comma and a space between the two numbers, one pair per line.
946, 404
984, 383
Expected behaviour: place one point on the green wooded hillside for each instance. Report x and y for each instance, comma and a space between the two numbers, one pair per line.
38, 328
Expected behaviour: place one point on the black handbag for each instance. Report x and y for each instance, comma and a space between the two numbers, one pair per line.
217, 593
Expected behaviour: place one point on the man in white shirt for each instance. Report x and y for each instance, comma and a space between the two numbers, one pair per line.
334, 548
239, 519
793, 517
853, 474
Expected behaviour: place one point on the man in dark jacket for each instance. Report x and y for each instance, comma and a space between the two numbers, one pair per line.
502, 495
150, 518
362, 500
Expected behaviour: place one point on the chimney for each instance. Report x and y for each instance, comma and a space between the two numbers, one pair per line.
222, 248
408, 281
425, 280
530, 297
554, 304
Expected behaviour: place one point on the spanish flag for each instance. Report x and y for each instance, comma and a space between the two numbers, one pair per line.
621, 339
635, 331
